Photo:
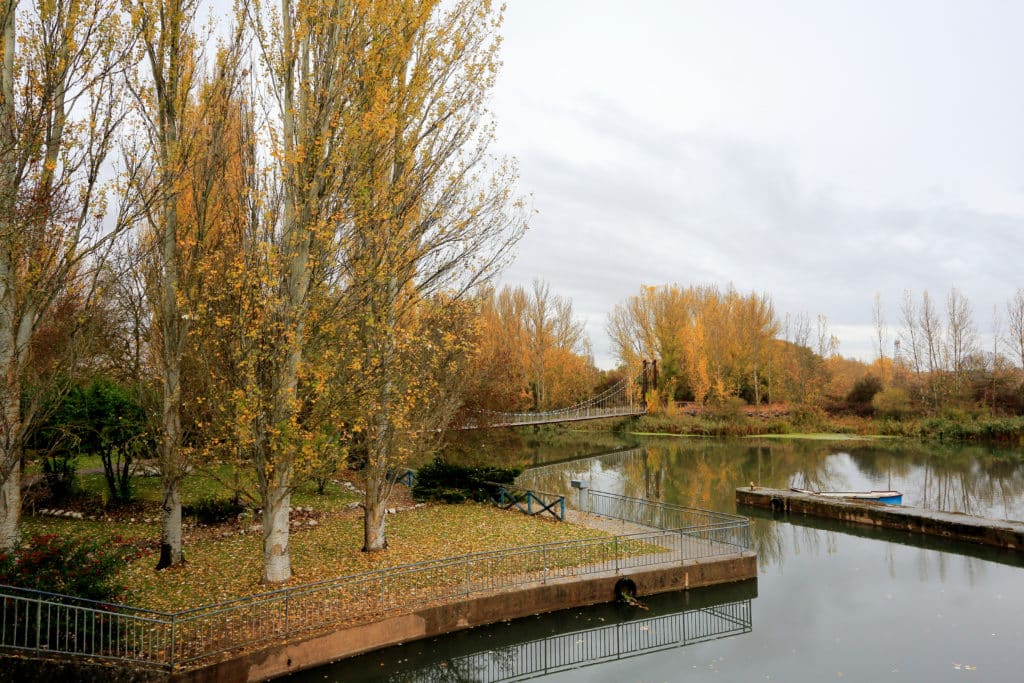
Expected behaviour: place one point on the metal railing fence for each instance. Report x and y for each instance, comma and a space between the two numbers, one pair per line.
37, 621
32, 621
530, 501
698, 525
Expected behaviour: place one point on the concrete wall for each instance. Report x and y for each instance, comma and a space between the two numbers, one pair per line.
426, 622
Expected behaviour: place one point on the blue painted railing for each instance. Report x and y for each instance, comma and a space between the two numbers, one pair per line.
530, 501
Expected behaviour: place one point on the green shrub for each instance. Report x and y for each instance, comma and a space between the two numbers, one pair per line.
893, 402
864, 389
450, 483
78, 567
103, 418
60, 472
214, 510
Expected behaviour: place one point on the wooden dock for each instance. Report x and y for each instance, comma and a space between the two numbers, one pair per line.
954, 526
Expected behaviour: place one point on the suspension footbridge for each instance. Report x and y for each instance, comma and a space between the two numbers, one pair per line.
622, 399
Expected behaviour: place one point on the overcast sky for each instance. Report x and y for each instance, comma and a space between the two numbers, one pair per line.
819, 151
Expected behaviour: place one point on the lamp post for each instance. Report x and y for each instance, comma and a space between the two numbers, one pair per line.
579, 484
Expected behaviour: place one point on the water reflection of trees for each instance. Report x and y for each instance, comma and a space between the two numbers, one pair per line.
525, 448
706, 472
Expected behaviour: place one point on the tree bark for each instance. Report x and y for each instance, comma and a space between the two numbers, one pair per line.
277, 565
10, 506
374, 538
170, 537
10, 393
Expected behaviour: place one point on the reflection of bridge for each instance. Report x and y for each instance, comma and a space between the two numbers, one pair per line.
581, 648
619, 400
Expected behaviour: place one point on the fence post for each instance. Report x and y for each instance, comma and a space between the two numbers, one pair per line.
563, 509
287, 609
170, 662
529, 502
383, 578
39, 621
544, 555
616, 542
467, 575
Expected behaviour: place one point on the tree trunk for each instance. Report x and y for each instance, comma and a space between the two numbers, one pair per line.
10, 423
757, 390
170, 537
10, 506
172, 469
277, 565
10, 394
374, 538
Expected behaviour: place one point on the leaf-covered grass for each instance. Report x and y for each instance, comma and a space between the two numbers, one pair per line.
220, 568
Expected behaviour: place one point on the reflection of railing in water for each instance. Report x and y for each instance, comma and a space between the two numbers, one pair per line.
538, 473
694, 525
590, 647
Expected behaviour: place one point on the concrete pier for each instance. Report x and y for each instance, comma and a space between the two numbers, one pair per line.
953, 526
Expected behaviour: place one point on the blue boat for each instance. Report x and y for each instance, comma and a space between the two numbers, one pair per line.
887, 497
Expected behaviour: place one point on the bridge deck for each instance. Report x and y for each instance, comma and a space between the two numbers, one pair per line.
543, 419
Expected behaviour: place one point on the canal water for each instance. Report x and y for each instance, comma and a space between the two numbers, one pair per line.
831, 602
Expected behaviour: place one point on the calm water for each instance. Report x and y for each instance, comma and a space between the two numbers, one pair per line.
832, 602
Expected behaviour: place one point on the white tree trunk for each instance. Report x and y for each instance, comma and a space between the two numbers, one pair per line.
170, 537
172, 468
10, 507
277, 565
10, 394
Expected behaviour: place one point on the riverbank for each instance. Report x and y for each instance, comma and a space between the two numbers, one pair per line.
952, 426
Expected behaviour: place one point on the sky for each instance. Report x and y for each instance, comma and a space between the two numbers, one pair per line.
819, 151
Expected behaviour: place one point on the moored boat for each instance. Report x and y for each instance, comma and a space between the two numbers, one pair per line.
887, 497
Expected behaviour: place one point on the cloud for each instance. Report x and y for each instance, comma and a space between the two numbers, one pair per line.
624, 202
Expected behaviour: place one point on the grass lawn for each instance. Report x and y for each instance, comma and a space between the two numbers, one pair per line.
223, 568
225, 561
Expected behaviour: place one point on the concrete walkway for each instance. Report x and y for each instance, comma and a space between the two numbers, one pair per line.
608, 525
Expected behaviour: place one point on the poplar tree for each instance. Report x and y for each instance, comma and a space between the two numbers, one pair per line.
183, 113
429, 216
60, 107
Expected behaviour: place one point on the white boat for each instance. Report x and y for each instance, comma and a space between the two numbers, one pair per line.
887, 497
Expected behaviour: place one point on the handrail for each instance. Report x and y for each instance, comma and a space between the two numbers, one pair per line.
39, 622
594, 407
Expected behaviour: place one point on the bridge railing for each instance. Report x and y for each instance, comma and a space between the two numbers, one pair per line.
615, 401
